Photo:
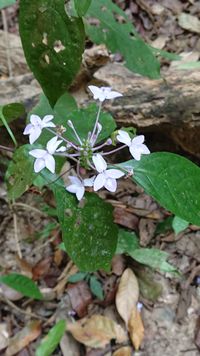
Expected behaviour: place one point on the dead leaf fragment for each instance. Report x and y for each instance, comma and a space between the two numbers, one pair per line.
4, 336
127, 294
23, 338
97, 331
123, 351
80, 297
136, 328
189, 22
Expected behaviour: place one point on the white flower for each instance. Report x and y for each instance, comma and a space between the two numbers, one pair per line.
78, 186
136, 145
106, 177
44, 158
103, 93
34, 129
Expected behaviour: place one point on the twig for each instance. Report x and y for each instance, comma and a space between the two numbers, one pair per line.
6, 148
16, 236
5, 27
17, 310
26, 206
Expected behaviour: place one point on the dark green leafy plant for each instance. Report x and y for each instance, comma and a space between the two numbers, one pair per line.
53, 53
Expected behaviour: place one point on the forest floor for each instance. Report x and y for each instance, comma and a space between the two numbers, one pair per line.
30, 234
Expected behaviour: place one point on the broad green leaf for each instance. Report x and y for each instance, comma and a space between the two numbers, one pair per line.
5, 3
12, 111
82, 6
127, 241
121, 37
52, 339
8, 113
89, 234
22, 284
153, 258
20, 174
179, 224
53, 44
96, 288
172, 180
77, 277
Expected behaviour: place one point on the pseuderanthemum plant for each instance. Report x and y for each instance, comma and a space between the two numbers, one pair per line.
87, 153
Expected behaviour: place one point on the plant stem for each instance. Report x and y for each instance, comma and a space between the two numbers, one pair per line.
113, 151
96, 122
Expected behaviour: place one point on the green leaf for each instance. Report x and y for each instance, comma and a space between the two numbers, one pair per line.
5, 3
82, 6
164, 226
188, 65
22, 284
77, 277
179, 224
52, 339
149, 288
172, 180
153, 258
3, 121
53, 53
12, 112
127, 241
20, 174
121, 37
96, 288
89, 234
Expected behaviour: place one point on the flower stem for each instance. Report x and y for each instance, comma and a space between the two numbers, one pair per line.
113, 151
96, 122
62, 138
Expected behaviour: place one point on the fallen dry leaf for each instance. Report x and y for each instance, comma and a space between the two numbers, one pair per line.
136, 328
80, 297
123, 351
127, 295
189, 22
23, 338
97, 331
4, 336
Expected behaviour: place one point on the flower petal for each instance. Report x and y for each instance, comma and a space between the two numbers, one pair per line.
28, 129
137, 140
47, 118
111, 184
72, 188
113, 95
80, 193
99, 181
38, 153
61, 149
50, 162
53, 144
124, 137
135, 152
88, 182
114, 173
99, 162
35, 134
75, 180
35, 120
144, 149
97, 92
39, 164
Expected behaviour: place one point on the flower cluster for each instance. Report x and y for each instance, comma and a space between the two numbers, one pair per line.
86, 153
